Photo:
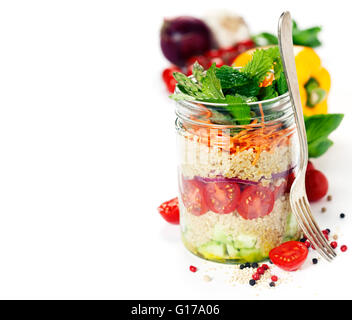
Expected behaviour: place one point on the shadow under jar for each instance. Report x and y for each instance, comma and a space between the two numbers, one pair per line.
235, 178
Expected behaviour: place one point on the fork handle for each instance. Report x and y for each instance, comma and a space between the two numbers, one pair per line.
288, 61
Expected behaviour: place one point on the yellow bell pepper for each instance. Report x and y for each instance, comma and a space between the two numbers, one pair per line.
314, 80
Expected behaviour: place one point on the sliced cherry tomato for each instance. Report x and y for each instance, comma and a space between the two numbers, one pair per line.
193, 197
289, 256
222, 197
169, 210
255, 202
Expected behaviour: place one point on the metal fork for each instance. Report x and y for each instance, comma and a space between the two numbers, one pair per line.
298, 197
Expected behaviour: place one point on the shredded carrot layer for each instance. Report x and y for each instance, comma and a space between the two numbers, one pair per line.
256, 136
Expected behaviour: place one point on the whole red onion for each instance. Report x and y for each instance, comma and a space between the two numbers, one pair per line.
184, 37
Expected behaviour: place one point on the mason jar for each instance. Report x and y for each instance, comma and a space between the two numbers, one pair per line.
235, 178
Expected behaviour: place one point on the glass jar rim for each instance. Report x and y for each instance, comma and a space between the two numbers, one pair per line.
253, 103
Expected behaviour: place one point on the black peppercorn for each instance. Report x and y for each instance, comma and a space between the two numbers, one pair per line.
252, 282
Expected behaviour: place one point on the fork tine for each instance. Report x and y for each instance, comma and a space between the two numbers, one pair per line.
315, 232
308, 231
318, 231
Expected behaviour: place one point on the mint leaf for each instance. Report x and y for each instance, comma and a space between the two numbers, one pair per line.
274, 54
307, 37
230, 77
249, 90
238, 108
264, 39
259, 66
321, 125
318, 128
319, 147
267, 93
281, 84
211, 86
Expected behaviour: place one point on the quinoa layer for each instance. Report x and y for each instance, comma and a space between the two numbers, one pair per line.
197, 159
269, 230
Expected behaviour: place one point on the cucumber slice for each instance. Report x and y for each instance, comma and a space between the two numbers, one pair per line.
213, 249
251, 255
292, 226
245, 241
233, 252
219, 235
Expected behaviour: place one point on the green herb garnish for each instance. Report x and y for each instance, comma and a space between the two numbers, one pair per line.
306, 37
318, 129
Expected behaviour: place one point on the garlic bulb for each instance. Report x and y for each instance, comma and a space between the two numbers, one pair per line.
227, 28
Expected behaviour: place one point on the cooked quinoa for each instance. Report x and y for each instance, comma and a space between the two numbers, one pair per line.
197, 159
269, 229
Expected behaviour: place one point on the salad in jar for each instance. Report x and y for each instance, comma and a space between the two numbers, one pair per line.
237, 157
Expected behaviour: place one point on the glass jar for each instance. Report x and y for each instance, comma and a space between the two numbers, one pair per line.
235, 178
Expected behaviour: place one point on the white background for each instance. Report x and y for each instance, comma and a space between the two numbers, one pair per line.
87, 151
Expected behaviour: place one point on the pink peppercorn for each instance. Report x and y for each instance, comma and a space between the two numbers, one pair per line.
192, 268
274, 278
265, 266
307, 244
343, 248
256, 276
333, 244
260, 270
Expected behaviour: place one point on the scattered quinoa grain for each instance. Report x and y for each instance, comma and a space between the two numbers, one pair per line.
323, 209
206, 278
329, 197
335, 237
